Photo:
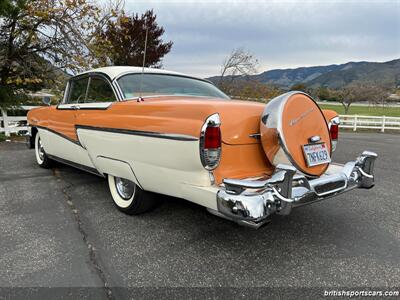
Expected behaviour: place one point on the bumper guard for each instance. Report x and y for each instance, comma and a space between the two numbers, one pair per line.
251, 202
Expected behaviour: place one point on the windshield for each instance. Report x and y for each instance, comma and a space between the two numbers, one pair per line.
135, 85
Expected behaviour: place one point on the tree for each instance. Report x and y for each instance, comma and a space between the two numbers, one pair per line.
323, 93
357, 92
39, 38
376, 95
122, 41
239, 62
246, 89
299, 87
345, 96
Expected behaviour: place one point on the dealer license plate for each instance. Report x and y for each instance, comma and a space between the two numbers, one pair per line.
316, 154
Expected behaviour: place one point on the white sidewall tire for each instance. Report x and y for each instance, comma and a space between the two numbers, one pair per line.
118, 200
38, 159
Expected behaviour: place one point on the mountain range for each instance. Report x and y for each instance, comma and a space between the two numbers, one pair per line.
385, 74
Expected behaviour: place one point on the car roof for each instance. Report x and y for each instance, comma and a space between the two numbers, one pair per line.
116, 71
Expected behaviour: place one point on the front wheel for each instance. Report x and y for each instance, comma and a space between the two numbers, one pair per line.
41, 157
129, 197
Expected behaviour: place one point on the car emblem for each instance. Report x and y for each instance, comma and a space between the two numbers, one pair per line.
302, 116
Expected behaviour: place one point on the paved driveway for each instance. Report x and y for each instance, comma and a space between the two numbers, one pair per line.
59, 228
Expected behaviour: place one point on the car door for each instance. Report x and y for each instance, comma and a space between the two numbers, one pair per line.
62, 118
60, 139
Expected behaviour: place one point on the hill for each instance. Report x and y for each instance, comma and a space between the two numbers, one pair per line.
385, 74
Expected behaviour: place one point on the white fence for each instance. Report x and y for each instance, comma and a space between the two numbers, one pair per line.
11, 124
16, 124
369, 122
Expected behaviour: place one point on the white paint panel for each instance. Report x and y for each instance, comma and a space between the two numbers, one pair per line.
115, 168
163, 166
61, 147
202, 195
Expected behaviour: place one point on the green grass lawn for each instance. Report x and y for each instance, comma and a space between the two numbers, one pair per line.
364, 110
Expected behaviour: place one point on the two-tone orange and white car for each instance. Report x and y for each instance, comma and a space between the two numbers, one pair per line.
155, 132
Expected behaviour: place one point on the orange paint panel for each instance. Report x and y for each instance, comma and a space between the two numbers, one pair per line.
329, 114
242, 156
242, 161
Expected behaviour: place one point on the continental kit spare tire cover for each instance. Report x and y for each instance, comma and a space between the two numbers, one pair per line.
288, 122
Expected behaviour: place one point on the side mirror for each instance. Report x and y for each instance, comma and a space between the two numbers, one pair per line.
46, 100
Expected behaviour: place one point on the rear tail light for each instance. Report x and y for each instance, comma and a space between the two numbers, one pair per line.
212, 138
210, 142
334, 131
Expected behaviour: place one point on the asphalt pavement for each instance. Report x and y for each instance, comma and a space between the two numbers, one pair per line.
60, 234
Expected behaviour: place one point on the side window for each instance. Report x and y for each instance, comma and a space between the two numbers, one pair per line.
77, 90
99, 91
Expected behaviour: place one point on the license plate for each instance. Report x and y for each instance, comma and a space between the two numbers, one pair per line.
316, 154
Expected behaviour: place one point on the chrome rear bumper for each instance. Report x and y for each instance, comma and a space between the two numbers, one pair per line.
251, 202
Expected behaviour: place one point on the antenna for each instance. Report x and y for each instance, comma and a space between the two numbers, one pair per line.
144, 62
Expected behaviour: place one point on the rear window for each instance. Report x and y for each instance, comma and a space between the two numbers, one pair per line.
135, 85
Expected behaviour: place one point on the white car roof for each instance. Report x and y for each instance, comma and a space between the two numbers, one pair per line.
113, 72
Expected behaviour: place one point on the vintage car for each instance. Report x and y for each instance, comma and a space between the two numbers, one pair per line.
152, 131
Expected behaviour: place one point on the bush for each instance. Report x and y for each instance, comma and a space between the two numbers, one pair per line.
2, 137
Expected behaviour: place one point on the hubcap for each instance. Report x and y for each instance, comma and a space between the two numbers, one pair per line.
40, 150
125, 188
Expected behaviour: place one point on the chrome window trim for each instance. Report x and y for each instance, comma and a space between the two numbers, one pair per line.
90, 76
115, 80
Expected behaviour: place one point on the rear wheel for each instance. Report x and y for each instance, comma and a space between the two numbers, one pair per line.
41, 157
129, 197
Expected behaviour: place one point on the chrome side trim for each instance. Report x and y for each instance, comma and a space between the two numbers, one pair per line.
256, 136
75, 165
170, 136
83, 106
252, 202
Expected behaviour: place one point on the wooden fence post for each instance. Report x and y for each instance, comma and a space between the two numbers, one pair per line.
5, 122
383, 124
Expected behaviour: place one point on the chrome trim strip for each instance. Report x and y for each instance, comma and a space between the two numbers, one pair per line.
169, 136
85, 106
256, 136
75, 165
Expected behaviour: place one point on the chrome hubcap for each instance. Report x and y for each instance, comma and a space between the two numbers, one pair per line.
125, 188
40, 150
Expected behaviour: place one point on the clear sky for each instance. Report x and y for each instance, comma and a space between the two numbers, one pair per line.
281, 34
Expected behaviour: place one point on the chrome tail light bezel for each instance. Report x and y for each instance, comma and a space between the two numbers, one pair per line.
205, 154
334, 121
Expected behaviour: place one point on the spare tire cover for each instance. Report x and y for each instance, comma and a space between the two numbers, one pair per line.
288, 122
